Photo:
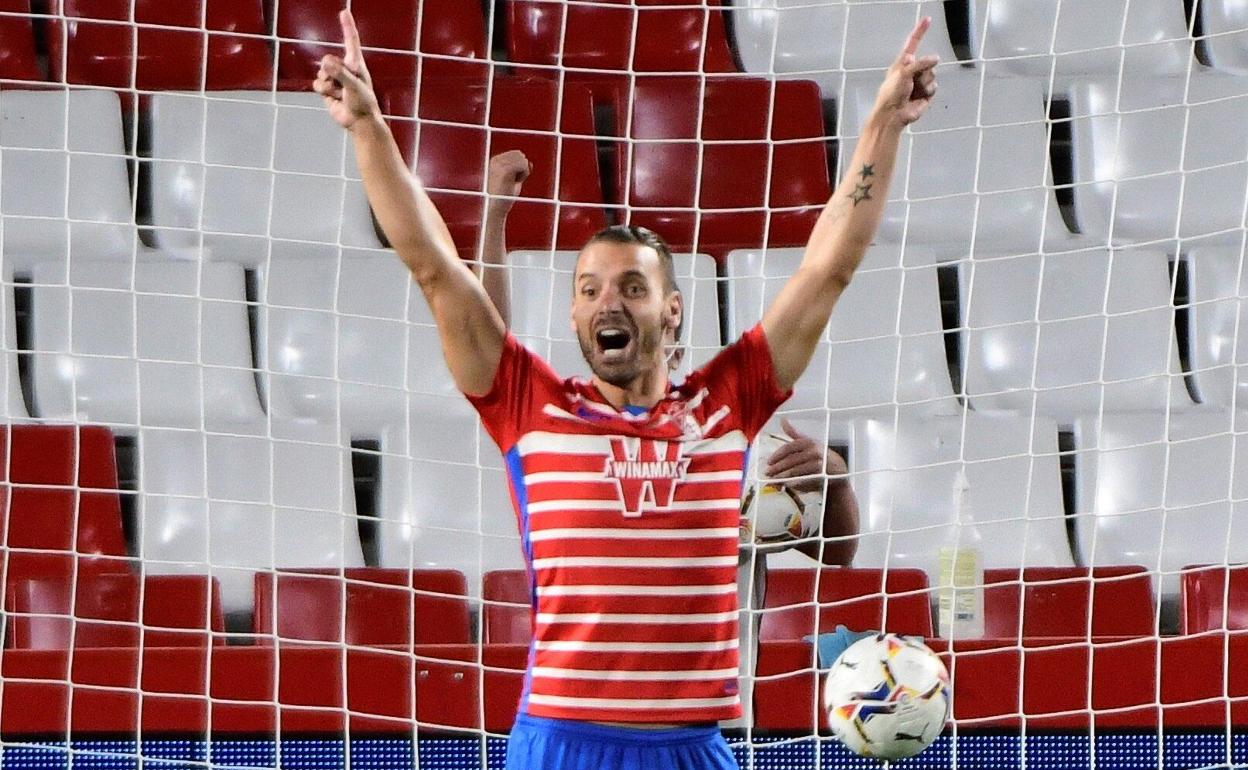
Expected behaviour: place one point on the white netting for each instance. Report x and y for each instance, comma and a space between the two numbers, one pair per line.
244, 498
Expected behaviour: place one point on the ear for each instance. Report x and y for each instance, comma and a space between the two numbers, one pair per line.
675, 310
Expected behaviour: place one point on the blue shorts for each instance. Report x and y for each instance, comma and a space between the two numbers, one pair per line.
537, 743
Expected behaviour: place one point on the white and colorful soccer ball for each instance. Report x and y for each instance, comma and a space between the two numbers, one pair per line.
773, 513
887, 697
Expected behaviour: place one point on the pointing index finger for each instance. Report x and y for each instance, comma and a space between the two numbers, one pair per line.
916, 36
351, 39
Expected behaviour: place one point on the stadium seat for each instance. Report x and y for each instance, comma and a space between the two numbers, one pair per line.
161, 350
1068, 601
541, 287
598, 44
220, 182
888, 320
154, 342
895, 600
972, 177
344, 341
103, 610
1071, 334
60, 507
819, 41
747, 191
1225, 23
452, 39
1159, 489
508, 615
445, 502
1153, 160
307, 605
100, 46
1217, 313
1067, 41
18, 60
907, 477
67, 191
460, 127
1210, 604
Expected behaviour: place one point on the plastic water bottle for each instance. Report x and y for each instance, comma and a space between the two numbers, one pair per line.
961, 597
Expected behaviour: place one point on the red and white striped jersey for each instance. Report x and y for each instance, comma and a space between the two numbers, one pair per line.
629, 524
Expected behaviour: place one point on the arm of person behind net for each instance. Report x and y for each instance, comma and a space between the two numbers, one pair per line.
795, 321
838, 535
504, 178
471, 331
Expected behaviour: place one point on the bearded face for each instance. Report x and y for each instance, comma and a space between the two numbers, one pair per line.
621, 311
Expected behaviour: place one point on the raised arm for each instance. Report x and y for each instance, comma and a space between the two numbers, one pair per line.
795, 320
470, 328
505, 176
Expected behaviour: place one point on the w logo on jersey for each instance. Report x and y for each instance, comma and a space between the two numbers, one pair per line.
646, 472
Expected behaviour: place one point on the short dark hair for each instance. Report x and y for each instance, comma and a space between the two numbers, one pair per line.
644, 236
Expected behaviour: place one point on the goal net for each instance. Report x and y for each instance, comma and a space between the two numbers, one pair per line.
249, 521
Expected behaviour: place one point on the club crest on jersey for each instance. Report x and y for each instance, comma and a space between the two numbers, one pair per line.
646, 472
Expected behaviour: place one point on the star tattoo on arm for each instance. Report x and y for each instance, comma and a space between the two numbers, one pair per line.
862, 191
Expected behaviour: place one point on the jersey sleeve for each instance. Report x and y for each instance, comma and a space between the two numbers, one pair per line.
743, 375
522, 384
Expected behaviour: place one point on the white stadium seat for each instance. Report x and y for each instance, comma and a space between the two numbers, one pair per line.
66, 191
973, 176
1071, 334
338, 346
541, 290
1160, 492
158, 343
253, 169
160, 350
1161, 159
906, 479
1219, 326
1226, 33
1066, 40
446, 503
820, 41
883, 353
230, 505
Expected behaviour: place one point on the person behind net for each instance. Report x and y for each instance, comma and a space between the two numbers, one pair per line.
626, 488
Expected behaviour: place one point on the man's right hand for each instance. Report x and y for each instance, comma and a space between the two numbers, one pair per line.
344, 82
505, 177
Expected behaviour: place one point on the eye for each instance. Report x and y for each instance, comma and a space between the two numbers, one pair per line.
588, 291
635, 290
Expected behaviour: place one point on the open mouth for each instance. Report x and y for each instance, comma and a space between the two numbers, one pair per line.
613, 341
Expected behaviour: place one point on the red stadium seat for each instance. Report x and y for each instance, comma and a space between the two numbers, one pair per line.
1057, 602
97, 46
861, 599
1209, 604
17, 56
452, 39
510, 621
740, 176
601, 35
522, 115
52, 516
307, 605
56, 612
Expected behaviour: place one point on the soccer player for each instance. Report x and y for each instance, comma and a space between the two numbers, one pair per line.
626, 489
813, 469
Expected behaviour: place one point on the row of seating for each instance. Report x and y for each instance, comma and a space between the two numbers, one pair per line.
594, 41
380, 607
219, 182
